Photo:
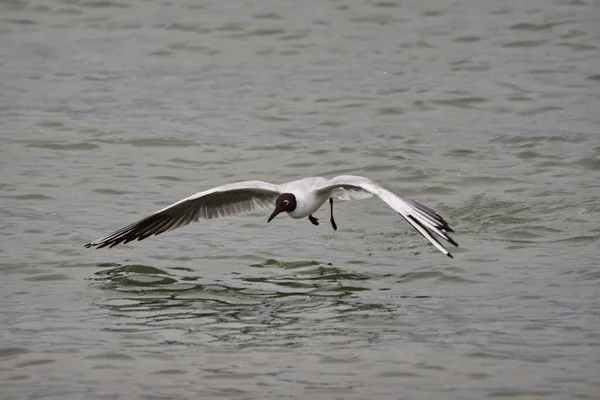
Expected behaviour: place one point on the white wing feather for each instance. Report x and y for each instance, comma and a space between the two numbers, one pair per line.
420, 217
233, 199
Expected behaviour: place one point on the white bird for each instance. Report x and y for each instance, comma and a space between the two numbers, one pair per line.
299, 199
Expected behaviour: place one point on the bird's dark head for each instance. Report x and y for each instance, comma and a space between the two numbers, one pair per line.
285, 202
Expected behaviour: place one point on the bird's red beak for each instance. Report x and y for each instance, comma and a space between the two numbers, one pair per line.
277, 211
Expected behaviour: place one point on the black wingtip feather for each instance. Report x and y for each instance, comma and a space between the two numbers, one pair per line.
446, 237
452, 241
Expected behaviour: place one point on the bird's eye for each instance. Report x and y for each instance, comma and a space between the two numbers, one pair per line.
285, 202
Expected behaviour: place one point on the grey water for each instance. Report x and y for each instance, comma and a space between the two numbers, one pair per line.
486, 111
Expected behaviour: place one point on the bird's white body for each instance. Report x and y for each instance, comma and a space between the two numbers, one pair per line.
252, 196
308, 199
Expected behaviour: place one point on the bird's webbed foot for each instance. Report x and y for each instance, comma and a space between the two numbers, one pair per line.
313, 220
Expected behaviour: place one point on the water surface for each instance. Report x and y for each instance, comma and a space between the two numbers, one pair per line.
485, 111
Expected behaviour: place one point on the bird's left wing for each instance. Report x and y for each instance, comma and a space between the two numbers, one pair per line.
227, 200
420, 217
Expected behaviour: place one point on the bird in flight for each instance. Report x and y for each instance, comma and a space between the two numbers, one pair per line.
299, 199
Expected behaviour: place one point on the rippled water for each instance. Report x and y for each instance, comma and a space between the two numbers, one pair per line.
485, 111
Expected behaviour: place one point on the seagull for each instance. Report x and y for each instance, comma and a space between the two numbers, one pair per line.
299, 199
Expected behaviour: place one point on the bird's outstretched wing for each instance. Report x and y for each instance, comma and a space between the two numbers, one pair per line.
420, 217
233, 199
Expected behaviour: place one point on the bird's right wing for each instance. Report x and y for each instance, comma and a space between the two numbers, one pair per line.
233, 199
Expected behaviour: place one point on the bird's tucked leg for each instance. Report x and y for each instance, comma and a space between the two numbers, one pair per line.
333, 224
313, 220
